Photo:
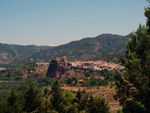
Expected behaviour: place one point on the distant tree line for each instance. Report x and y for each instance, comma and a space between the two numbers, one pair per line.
95, 82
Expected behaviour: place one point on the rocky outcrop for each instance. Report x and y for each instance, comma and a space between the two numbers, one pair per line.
58, 67
5, 58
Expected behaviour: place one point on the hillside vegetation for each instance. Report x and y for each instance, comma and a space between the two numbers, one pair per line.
9, 53
86, 48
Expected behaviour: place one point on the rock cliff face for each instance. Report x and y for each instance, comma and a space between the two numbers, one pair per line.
58, 67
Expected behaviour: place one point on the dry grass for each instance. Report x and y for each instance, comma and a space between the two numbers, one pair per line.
105, 92
102, 91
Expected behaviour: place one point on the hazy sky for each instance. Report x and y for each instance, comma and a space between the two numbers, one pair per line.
55, 22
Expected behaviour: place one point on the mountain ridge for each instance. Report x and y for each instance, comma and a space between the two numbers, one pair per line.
79, 49
12, 52
86, 48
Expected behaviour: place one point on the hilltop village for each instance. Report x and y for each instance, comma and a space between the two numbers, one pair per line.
92, 65
90, 76
96, 65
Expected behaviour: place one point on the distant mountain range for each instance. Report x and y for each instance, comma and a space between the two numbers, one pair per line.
86, 48
81, 49
9, 52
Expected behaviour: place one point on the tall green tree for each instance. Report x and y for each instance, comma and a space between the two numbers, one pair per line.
68, 103
82, 100
56, 95
33, 100
98, 105
13, 102
134, 88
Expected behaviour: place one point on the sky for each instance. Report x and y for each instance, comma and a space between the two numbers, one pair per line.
56, 22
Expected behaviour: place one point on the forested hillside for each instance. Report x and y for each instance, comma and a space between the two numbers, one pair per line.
86, 48
9, 53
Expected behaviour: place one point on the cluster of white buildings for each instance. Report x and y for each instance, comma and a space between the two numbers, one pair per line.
93, 65
41, 64
97, 65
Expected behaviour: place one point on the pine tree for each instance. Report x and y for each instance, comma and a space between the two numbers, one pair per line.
98, 105
13, 103
68, 103
32, 99
10, 103
134, 88
79, 95
56, 95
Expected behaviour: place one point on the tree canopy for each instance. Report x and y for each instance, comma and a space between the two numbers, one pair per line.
134, 87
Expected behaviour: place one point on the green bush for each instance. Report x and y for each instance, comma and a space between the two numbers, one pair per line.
87, 74
45, 82
134, 107
98, 105
95, 82
119, 111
